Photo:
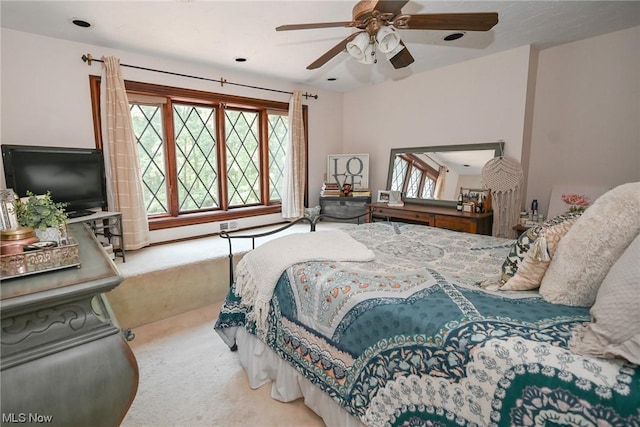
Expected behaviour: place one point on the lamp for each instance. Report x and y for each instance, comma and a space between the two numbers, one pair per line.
359, 45
363, 46
387, 39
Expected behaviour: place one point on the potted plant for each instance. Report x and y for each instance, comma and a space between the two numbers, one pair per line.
45, 216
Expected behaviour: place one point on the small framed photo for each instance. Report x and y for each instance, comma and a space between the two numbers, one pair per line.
384, 196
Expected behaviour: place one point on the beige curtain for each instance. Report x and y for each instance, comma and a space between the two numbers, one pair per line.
439, 190
124, 180
295, 171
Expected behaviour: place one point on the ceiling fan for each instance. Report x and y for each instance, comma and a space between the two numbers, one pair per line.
378, 20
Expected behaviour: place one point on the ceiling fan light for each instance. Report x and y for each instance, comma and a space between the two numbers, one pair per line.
388, 39
358, 45
369, 56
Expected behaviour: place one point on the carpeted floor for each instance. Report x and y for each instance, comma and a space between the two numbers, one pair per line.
189, 377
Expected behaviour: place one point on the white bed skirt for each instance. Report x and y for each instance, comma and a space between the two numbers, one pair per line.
262, 365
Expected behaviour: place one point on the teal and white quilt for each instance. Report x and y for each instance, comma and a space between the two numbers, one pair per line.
408, 339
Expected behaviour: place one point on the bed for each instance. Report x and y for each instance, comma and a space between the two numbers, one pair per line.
397, 330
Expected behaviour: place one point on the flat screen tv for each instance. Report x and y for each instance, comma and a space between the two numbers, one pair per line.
74, 176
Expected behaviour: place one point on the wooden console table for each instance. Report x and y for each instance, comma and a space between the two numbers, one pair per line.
64, 360
435, 216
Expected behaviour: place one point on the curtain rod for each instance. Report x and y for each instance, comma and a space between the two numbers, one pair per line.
88, 59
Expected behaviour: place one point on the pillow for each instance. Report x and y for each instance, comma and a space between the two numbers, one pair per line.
614, 330
589, 249
536, 260
525, 240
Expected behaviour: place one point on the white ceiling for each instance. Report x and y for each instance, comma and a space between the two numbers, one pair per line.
214, 33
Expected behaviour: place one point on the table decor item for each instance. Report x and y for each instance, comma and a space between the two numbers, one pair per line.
45, 216
39, 258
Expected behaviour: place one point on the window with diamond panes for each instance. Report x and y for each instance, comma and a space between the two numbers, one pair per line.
399, 172
414, 182
278, 138
243, 157
429, 188
196, 158
195, 172
147, 127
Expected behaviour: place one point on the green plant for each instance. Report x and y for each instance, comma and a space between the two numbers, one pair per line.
40, 212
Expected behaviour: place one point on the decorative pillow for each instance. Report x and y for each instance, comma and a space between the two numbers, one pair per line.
589, 249
614, 330
536, 260
524, 242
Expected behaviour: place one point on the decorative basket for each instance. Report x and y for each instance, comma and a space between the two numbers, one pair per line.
40, 261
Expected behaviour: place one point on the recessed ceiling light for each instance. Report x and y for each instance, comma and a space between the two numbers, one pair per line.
453, 36
240, 59
81, 22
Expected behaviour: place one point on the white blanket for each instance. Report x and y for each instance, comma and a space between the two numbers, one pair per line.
259, 270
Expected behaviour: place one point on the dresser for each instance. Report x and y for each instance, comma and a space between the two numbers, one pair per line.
64, 360
344, 207
435, 216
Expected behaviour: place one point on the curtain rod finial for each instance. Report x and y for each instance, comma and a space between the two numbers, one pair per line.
87, 58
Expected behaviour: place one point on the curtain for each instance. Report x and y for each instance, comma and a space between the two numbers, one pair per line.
124, 180
438, 193
295, 171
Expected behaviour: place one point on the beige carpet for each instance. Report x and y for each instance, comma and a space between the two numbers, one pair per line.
189, 377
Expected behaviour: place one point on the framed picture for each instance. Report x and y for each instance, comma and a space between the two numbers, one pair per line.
384, 196
350, 169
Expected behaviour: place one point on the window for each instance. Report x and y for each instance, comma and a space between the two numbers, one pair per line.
205, 156
414, 177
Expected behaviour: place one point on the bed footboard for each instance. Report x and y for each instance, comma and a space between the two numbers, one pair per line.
312, 221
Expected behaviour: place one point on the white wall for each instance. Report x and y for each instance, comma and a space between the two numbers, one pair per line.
570, 114
477, 101
586, 118
46, 101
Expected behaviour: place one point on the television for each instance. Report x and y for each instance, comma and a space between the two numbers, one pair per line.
74, 176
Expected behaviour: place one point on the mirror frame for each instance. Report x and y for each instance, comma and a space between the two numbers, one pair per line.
497, 147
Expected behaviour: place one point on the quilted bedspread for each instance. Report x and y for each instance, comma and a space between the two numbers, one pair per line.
409, 339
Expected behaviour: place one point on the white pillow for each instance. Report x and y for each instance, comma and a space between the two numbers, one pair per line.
614, 330
534, 265
589, 249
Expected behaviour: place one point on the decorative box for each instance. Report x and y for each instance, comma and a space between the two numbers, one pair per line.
40, 260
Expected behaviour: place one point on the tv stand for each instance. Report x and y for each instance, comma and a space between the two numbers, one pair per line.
80, 213
107, 224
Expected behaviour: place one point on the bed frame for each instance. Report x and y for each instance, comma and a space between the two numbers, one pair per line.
312, 221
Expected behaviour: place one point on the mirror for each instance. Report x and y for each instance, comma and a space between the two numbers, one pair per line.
434, 175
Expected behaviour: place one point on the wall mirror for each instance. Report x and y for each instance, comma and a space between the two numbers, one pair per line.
434, 175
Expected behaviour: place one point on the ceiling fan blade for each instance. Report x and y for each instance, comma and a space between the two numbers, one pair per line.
402, 59
316, 25
331, 52
453, 21
390, 6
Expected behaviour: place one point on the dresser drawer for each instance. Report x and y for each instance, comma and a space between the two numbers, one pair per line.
456, 224
399, 214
